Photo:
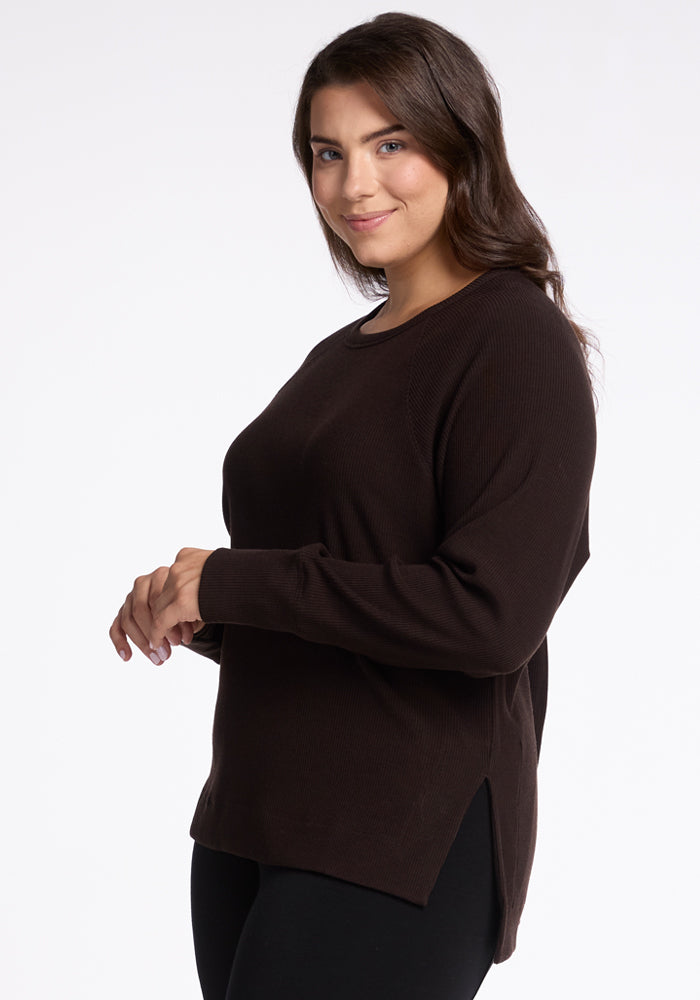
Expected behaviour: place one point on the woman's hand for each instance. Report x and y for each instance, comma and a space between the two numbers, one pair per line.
162, 609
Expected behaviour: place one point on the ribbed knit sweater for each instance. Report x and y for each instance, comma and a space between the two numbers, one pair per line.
405, 516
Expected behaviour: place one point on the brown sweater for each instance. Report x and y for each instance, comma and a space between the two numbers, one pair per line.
405, 515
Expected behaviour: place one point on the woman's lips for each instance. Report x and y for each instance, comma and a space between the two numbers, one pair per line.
367, 223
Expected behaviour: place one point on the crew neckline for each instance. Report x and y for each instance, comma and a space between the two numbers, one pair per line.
355, 338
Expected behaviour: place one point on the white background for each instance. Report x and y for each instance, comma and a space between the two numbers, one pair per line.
162, 275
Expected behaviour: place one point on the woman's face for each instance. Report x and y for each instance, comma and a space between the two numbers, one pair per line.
373, 182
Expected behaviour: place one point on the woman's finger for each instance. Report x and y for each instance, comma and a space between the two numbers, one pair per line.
138, 605
187, 631
123, 626
174, 635
119, 639
155, 582
134, 612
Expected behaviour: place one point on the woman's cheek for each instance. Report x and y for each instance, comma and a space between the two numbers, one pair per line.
319, 189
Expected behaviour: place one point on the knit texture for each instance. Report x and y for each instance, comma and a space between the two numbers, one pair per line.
405, 517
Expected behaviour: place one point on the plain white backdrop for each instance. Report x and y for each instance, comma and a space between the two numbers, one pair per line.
162, 275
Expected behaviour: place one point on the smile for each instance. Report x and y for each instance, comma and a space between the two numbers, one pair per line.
369, 222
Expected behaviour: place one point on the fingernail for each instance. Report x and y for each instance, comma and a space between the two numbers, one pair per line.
122, 654
151, 646
156, 659
162, 652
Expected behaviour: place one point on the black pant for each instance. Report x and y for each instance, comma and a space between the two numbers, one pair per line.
266, 932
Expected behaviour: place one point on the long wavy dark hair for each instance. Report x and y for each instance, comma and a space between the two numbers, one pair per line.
440, 91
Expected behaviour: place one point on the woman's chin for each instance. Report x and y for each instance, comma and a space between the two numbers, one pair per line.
368, 259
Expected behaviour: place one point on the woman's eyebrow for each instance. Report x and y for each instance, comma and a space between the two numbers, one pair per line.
388, 130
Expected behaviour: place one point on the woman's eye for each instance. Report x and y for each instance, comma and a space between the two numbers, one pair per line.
391, 146
327, 155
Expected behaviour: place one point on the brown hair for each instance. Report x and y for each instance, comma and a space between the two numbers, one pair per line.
441, 92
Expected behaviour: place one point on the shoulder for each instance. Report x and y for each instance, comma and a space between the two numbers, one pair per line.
339, 337
503, 356
506, 313
506, 331
321, 348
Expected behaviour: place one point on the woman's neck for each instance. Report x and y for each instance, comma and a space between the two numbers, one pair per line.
413, 289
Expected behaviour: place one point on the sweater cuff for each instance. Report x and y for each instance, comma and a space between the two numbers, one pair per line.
207, 642
256, 587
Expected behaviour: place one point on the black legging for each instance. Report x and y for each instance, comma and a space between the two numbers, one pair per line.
265, 932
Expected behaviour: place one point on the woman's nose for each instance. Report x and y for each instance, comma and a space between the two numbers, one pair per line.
360, 179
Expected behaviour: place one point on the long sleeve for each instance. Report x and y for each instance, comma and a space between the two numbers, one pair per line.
207, 642
515, 458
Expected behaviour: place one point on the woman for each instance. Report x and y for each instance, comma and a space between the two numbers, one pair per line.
405, 517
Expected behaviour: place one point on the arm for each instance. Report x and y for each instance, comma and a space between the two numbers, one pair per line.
513, 484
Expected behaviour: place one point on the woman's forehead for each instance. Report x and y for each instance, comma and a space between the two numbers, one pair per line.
355, 107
